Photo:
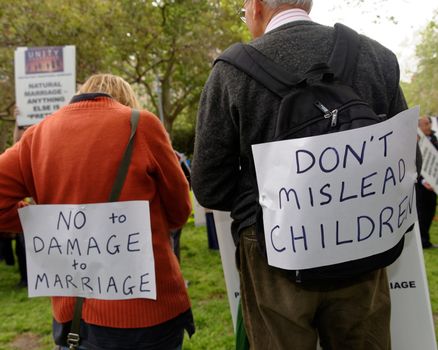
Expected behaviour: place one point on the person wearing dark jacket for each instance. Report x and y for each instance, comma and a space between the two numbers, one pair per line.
236, 112
426, 197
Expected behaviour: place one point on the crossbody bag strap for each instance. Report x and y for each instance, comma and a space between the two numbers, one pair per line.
73, 338
124, 164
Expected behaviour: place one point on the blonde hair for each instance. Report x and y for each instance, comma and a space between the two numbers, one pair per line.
112, 85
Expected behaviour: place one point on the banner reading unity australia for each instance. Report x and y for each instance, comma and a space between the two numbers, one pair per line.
339, 197
45, 80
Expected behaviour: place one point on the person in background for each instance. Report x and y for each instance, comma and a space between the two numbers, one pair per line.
426, 197
236, 112
20, 248
6, 239
6, 250
176, 234
72, 156
213, 242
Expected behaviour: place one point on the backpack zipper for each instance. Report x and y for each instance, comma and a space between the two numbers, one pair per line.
334, 117
327, 114
297, 276
334, 113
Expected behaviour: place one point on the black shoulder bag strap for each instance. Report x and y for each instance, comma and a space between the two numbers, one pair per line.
73, 337
277, 79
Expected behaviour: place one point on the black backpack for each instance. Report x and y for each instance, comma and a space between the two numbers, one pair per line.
321, 102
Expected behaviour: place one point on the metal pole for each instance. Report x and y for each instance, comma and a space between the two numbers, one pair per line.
160, 98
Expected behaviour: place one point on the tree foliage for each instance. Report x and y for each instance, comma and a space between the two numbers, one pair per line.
178, 40
423, 88
163, 47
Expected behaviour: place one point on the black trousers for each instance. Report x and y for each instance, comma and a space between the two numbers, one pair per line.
20, 251
426, 205
6, 251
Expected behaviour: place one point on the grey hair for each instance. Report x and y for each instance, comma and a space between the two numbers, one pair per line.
302, 4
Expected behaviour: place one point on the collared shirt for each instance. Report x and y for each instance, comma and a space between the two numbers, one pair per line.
285, 17
88, 96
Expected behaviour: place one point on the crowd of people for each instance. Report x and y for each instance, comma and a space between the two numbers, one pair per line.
73, 156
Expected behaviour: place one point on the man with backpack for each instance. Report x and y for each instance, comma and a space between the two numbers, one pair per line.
239, 107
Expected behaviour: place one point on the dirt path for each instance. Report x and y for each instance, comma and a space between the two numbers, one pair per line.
26, 341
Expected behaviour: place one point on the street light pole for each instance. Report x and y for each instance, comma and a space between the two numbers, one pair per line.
160, 98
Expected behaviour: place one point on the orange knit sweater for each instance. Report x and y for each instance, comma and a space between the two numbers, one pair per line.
71, 157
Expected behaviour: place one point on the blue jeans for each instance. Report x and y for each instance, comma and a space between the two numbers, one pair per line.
165, 336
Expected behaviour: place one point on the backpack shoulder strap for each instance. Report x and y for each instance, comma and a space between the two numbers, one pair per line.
259, 67
278, 80
345, 51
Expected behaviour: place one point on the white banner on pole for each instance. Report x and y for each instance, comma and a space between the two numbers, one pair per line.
222, 221
45, 80
412, 324
338, 197
101, 251
429, 168
199, 213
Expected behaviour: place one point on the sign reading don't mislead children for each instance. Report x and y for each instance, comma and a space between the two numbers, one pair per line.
101, 251
338, 197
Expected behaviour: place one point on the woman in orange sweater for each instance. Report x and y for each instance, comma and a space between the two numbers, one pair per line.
72, 157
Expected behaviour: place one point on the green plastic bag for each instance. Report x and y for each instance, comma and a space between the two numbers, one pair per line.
241, 338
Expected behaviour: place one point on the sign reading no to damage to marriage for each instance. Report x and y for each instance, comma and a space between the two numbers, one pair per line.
101, 251
338, 197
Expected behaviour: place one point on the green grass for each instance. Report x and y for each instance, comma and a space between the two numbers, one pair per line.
202, 267
19, 314
431, 261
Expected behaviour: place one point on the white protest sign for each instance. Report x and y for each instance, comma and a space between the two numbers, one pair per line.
411, 313
45, 80
338, 197
101, 251
429, 168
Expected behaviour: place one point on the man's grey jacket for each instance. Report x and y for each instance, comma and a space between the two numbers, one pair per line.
236, 112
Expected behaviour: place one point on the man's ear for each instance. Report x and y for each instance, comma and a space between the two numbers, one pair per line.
258, 10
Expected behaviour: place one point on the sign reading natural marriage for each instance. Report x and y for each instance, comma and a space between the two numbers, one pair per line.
338, 197
45, 80
101, 251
